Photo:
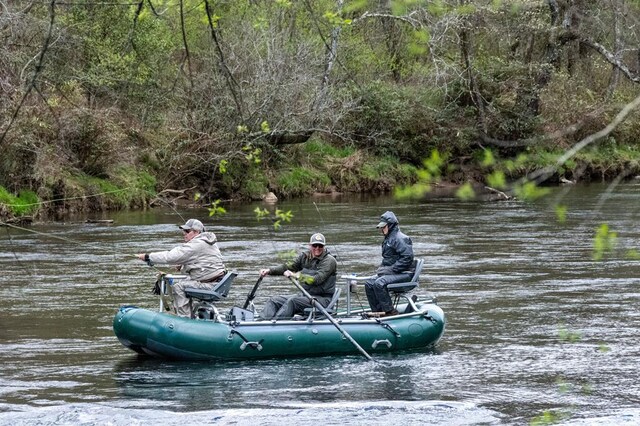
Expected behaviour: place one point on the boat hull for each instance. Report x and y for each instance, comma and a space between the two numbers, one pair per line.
168, 336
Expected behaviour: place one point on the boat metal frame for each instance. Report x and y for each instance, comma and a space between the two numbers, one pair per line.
350, 281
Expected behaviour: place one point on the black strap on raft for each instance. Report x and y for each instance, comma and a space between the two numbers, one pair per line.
252, 345
388, 327
429, 317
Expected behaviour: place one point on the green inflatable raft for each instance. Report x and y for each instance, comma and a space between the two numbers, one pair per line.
226, 338
239, 334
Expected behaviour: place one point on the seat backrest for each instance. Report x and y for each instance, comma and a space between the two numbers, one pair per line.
223, 286
219, 291
334, 300
409, 285
418, 270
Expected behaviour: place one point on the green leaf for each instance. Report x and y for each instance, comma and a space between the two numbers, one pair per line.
466, 192
222, 167
604, 242
561, 213
488, 160
215, 209
497, 180
529, 191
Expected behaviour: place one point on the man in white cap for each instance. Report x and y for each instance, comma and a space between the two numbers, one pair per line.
199, 257
317, 274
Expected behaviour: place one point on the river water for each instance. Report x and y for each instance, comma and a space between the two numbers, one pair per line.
537, 333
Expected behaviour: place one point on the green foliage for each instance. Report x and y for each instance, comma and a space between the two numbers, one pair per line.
286, 256
252, 154
465, 192
633, 254
529, 191
318, 151
215, 209
561, 213
497, 180
301, 181
222, 166
278, 217
393, 117
25, 203
568, 336
244, 178
126, 188
139, 186
488, 159
400, 92
548, 417
419, 44
99, 191
429, 174
604, 242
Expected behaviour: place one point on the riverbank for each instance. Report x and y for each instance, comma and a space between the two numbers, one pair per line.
312, 168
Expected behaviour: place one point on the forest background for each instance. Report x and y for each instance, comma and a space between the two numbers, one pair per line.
110, 104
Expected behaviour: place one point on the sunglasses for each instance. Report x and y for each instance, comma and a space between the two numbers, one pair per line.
316, 245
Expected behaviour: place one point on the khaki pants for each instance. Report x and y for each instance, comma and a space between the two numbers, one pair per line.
180, 301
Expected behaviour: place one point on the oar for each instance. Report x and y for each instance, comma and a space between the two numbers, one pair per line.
330, 318
252, 294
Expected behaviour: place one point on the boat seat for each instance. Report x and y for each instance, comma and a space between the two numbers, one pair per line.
399, 290
218, 292
330, 308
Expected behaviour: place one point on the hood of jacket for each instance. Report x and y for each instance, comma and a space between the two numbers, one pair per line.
390, 218
207, 237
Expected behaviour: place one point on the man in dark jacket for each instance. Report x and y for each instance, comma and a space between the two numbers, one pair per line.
317, 276
397, 260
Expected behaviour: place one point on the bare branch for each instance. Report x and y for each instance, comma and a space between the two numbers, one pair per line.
543, 174
538, 139
611, 58
405, 18
38, 69
233, 85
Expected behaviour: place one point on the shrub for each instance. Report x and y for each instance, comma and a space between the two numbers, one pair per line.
25, 203
301, 181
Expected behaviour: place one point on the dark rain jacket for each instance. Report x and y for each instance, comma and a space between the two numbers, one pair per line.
397, 248
318, 273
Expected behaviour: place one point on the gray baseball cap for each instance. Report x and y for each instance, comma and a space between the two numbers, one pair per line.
193, 224
317, 239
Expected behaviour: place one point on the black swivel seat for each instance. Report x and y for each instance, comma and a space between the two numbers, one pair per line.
205, 309
400, 290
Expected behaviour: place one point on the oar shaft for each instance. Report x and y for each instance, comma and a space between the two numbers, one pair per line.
252, 294
331, 319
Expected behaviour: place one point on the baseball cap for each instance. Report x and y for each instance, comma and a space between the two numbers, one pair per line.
317, 239
193, 224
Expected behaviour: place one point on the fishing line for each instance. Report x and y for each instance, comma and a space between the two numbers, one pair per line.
323, 225
12, 250
9, 225
171, 207
81, 197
